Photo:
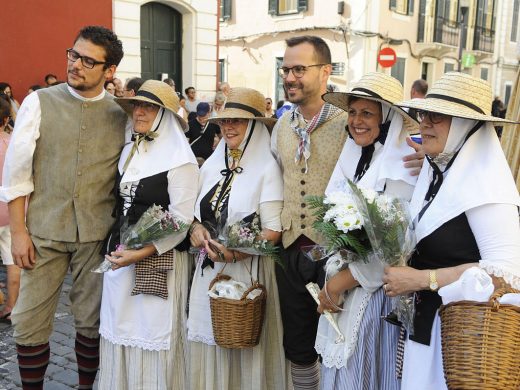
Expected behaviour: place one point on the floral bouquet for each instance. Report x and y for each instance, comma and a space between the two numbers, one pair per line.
341, 224
245, 236
389, 227
154, 224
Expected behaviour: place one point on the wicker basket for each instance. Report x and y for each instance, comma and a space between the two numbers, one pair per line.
481, 343
237, 323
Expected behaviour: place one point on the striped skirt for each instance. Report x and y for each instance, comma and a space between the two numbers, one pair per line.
372, 364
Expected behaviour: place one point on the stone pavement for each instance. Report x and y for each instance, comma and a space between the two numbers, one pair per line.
62, 370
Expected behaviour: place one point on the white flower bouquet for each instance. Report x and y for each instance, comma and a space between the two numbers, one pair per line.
389, 227
154, 224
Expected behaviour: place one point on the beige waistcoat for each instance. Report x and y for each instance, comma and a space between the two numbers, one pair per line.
326, 144
74, 167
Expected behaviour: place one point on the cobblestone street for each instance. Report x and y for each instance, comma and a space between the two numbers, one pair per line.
61, 373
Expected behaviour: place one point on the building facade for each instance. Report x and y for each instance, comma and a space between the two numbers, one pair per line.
166, 38
425, 34
170, 38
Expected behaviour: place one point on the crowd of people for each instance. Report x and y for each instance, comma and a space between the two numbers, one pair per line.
90, 156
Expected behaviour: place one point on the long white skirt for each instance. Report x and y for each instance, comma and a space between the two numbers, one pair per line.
216, 368
135, 365
422, 366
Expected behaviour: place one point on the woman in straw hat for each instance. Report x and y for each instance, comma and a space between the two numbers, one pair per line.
143, 319
372, 157
465, 206
238, 180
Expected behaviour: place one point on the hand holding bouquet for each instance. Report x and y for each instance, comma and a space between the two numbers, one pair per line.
245, 236
154, 224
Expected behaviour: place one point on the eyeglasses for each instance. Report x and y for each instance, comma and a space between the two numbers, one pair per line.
87, 62
230, 122
144, 105
434, 117
298, 71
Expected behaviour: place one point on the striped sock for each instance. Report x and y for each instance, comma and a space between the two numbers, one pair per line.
87, 355
32, 363
306, 377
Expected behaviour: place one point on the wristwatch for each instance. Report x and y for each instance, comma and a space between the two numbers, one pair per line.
433, 280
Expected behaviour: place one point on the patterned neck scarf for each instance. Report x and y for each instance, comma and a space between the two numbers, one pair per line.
137, 138
327, 112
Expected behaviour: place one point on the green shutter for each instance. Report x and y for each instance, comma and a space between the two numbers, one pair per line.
303, 5
273, 7
393, 4
226, 10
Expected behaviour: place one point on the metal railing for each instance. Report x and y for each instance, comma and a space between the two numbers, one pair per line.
484, 39
446, 31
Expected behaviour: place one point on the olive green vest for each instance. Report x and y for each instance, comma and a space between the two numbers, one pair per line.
326, 144
74, 166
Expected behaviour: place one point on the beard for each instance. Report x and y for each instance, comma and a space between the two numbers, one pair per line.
80, 84
301, 95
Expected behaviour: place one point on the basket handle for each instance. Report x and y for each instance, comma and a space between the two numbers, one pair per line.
498, 294
254, 286
220, 276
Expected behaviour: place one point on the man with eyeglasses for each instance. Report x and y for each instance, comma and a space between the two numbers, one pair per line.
307, 141
64, 153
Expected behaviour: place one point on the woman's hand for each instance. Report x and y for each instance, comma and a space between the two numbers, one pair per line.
218, 252
414, 161
404, 280
335, 286
123, 258
199, 234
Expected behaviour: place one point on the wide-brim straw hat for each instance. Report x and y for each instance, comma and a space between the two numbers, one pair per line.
158, 93
378, 87
459, 95
245, 103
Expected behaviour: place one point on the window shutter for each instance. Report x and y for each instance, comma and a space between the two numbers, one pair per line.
303, 5
273, 7
393, 4
410, 7
226, 9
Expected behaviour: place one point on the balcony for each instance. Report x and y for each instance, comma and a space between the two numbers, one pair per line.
437, 35
484, 39
446, 32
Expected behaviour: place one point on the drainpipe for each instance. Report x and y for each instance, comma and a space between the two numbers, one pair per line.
218, 44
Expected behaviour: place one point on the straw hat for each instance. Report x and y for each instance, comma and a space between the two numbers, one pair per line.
245, 103
378, 87
460, 95
158, 93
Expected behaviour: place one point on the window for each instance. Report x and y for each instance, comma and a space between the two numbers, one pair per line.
280, 93
397, 69
286, 7
225, 10
484, 30
484, 73
507, 94
338, 69
449, 67
404, 7
221, 69
514, 24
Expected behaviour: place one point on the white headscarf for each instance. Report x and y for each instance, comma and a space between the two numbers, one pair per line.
386, 162
168, 150
479, 175
259, 182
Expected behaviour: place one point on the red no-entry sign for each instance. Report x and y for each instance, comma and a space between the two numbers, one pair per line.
387, 57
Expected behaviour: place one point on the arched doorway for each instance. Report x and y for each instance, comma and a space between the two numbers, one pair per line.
161, 42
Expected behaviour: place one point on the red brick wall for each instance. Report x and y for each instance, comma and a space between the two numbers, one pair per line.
34, 35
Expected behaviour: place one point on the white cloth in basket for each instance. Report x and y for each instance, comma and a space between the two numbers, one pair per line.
473, 285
